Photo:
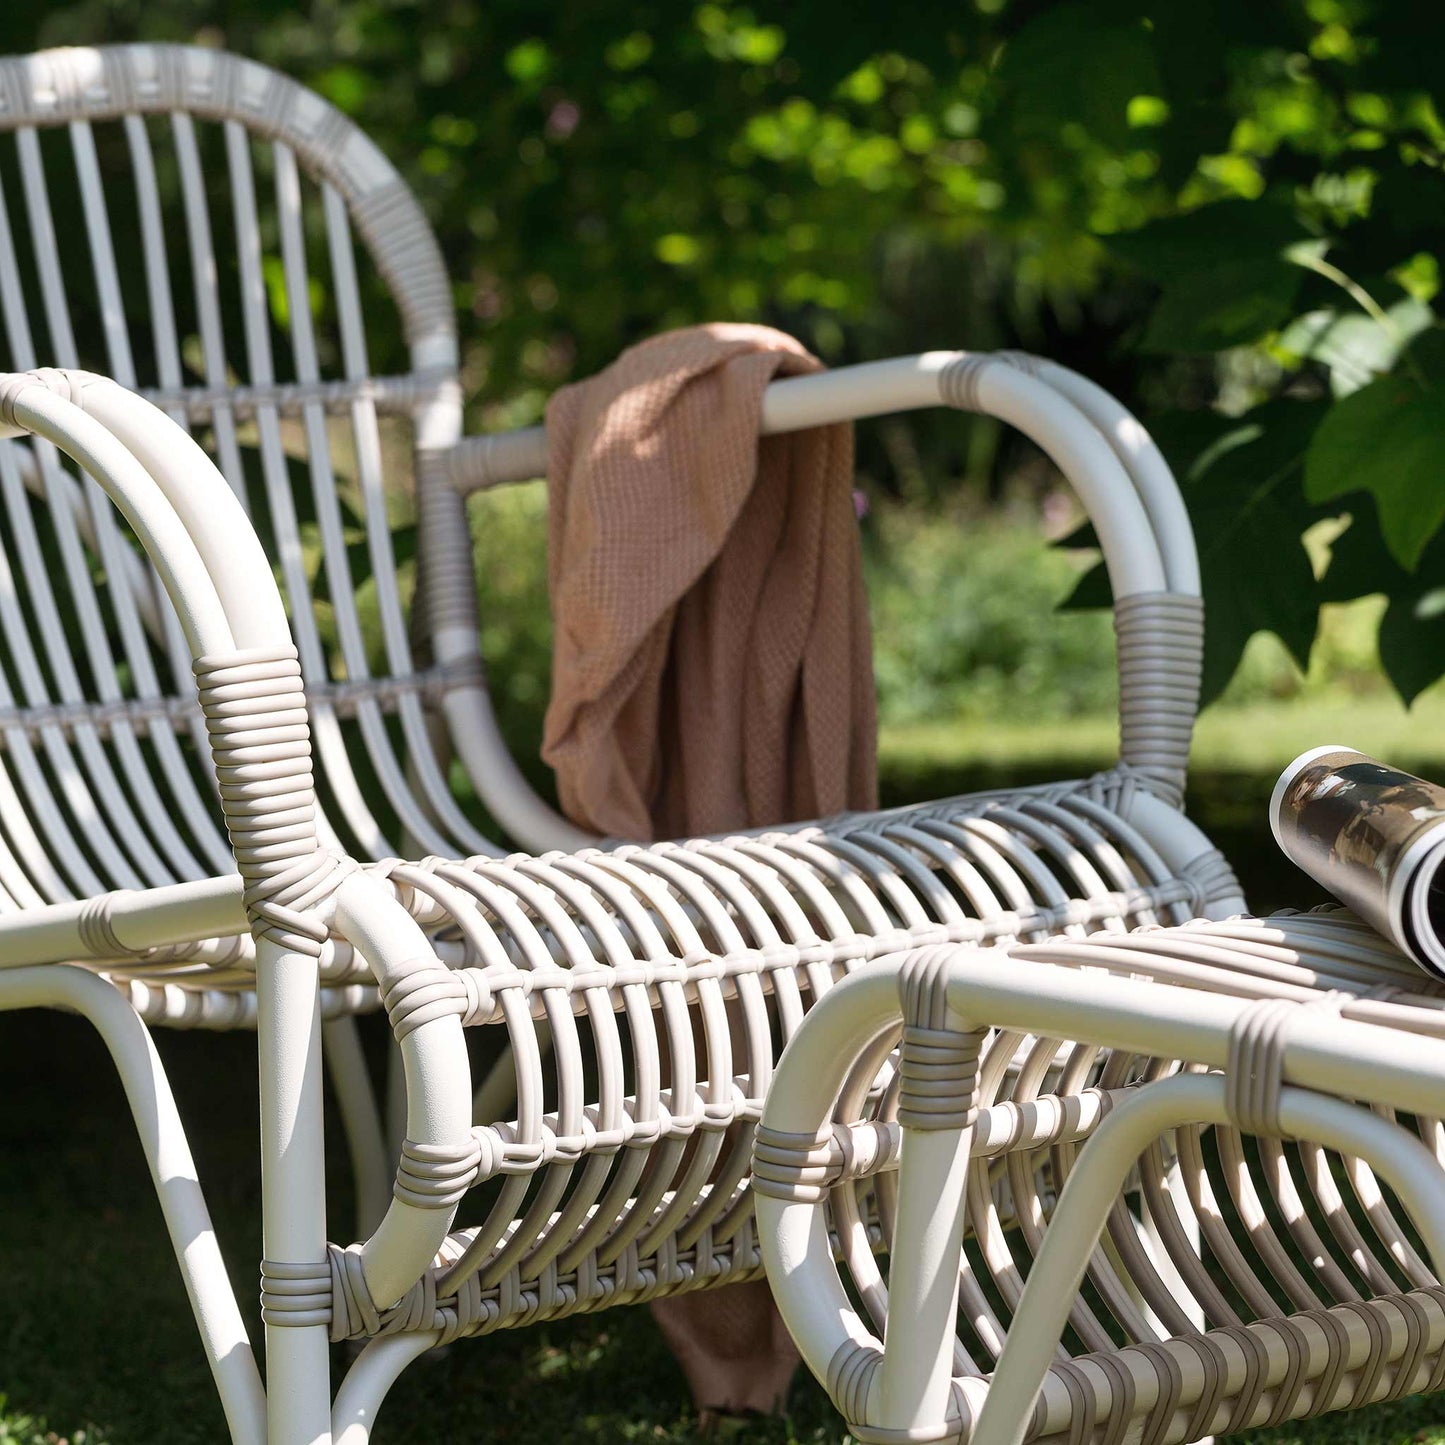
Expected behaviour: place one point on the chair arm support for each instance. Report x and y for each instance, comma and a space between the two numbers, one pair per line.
124, 923
852, 393
1125, 484
220, 582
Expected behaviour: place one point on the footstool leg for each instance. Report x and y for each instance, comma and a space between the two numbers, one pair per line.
938, 1065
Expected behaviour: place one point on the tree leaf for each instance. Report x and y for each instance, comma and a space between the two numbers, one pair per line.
1412, 631
1360, 564
1249, 518
1412, 640
1071, 64
1388, 439
1223, 277
1356, 348
1090, 591
1082, 539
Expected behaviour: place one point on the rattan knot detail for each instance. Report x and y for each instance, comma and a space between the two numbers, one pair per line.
799, 1167
1255, 1072
255, 709
67, 385
97, 931
851, 1373
423, 991
938, 1078
1209, 878
295, 1294
938, 1065
958, 381
437, 1176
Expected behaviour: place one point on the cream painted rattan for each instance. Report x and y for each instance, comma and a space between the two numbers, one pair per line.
645, 992
1269, 1281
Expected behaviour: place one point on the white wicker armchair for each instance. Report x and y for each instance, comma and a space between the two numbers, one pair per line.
665, 978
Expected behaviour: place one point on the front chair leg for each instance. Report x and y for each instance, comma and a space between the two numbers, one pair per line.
296, 1284
173, 1171
938, 1063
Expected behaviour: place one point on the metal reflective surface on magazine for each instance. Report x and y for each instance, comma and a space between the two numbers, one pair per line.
1359, 827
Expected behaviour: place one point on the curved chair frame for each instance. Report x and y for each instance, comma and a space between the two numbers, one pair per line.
99, 841
271, 123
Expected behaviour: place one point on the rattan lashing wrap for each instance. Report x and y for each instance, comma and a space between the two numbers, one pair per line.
1160, 637
255, 709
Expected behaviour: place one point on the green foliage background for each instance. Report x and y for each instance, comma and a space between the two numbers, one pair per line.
1229, 213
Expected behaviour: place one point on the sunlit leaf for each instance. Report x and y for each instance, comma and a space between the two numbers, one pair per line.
1357, 348
1388, 439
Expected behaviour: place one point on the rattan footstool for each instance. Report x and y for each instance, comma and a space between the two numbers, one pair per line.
1269, 1085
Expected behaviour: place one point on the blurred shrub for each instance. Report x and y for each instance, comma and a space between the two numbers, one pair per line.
509, 545
964, 619
963, 603
965, 625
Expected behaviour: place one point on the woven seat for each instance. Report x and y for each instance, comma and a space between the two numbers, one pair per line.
1269, 1283
204, 801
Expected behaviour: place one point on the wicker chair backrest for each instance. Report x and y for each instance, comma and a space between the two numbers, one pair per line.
187, 222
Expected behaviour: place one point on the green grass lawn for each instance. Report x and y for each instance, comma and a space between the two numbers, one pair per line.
1255, 739
96, 1344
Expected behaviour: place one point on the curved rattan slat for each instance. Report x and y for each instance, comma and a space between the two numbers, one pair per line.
58, 86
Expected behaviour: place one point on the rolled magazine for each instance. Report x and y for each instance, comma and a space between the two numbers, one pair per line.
1375, 838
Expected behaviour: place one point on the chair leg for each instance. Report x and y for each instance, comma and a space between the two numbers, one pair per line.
163, 1138
923, 1277
374, 1372
360, 1120
293, 1193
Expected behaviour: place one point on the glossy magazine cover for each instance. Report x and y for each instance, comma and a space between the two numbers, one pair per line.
1374, 836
